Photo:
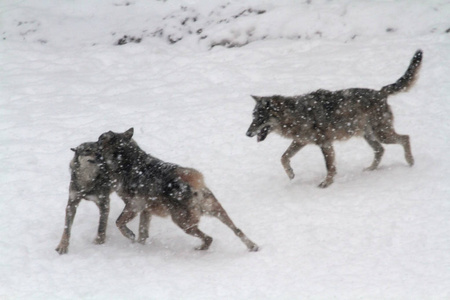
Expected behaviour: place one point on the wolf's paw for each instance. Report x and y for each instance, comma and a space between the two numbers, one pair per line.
206, 243
128, 233
99, 240
202, 248
253, 248
290, 174
141, 241
371, 168
62, 249
326, 183
410, 161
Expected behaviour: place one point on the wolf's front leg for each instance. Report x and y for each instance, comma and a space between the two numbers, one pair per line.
126, 216
286, 158
103, 206
144, 224
328, 153
71, 209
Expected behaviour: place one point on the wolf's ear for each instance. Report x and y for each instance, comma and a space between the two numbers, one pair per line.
104, 138
128, 134
73, 149
257, 98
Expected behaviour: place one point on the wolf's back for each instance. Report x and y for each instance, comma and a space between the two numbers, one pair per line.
408, 79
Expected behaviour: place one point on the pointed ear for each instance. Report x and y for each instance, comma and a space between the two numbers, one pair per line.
257, 98
128, 134
73, 149
104, 138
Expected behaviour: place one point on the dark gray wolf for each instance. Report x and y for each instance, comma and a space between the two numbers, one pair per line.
151, 186
89, 180
322, 117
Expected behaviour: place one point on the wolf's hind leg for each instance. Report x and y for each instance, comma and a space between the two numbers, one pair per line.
286, 157
391, 137
212, 206
385, 133
404, 140
188, 220
194, 231
377, 148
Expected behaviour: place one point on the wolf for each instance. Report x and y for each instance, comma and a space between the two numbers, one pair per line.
90, 180
151, 186
321, 117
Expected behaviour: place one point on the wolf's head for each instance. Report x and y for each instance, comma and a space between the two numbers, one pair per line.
85, 154
112, 145
86, 164
264, 120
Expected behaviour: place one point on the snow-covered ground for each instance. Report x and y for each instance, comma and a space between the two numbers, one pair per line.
182, 79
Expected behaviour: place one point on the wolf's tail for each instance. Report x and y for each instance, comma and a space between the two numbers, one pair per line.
408, 79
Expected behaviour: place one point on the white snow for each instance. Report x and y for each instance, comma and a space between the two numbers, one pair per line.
371, 235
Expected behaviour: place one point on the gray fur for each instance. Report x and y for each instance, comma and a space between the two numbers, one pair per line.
152, 186
90, 181
322, 117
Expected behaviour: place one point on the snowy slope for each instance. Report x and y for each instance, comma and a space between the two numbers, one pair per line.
371, 235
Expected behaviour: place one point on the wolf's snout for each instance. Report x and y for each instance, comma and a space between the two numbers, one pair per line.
250, 133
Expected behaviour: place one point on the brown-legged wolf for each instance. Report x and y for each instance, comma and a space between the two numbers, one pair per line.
322, 117
151, 186
89, 180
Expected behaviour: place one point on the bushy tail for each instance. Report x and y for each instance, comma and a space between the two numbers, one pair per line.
408, 79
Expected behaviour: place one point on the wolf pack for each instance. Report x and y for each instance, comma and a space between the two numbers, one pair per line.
149, 186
